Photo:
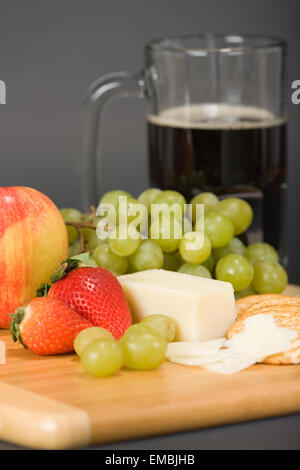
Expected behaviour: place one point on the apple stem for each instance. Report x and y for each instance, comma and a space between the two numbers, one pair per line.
80, 225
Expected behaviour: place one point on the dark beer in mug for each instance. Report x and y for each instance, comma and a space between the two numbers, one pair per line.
228, 150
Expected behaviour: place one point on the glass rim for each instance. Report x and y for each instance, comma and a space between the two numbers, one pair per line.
266, 42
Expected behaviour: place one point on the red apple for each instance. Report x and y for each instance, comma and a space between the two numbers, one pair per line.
33, 242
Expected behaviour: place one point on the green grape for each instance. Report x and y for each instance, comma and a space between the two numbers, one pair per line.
209, 200
195, 270
238, 211
236, 269
106, 259
89, 335
143, 349
162, 325
112, 197
261, 252
103, 357
170, 197
218, 228
147, 197
71, 215
148, 256
124, 246
94, 241
171, 262
88, 233
209, 263
234, 246
130, 268
74, 249
269, 277
244, 292
194, 247
166, 232
135, 327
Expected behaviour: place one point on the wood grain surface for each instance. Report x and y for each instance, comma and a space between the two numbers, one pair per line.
50, 403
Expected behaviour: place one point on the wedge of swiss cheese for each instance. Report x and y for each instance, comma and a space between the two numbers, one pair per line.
202, 308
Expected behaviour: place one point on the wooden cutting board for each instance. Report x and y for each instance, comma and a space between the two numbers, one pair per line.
50, 403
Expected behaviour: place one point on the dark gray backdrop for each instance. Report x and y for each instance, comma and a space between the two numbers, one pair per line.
51, 50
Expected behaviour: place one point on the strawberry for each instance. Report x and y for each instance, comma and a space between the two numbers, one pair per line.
47, 326
93, 292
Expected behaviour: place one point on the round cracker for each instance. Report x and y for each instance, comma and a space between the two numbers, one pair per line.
245, 303
286, 315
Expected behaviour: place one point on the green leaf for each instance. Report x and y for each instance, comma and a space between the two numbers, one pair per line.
43, 290
83, 260
14, 326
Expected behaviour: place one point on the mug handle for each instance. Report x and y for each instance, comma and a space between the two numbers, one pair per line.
119, 84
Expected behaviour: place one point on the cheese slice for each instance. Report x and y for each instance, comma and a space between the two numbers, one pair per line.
202, 360
194, 348
203, 309
261, 337
235, 362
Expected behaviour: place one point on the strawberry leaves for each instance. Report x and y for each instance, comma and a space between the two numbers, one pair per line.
83, 260
14, 326
43, 290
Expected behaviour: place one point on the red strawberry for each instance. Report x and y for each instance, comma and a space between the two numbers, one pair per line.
47, 326
94, 293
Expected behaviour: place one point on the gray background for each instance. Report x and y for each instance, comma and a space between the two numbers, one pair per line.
51, 50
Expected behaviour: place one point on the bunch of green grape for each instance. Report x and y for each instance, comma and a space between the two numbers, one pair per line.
142, 347
215, 251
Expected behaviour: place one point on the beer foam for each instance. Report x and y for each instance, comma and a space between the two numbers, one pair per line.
216, 116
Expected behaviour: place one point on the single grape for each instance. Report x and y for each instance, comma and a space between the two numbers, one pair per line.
244, 292
209, 263
135, 327
89, 335
106, 259
147, 197
261, 252
236, 269
148, 256
218, 228
194, 247
71, 215
112, 197
269, 277
234, 246
169, 197
103, 357
162, 325
94, 241
88, 233
171, 262
124, 242
143, 349
166, 232
238, 211
195, 270
209, 200
74, 249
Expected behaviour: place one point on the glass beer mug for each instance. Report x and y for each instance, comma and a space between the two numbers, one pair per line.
216, 118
